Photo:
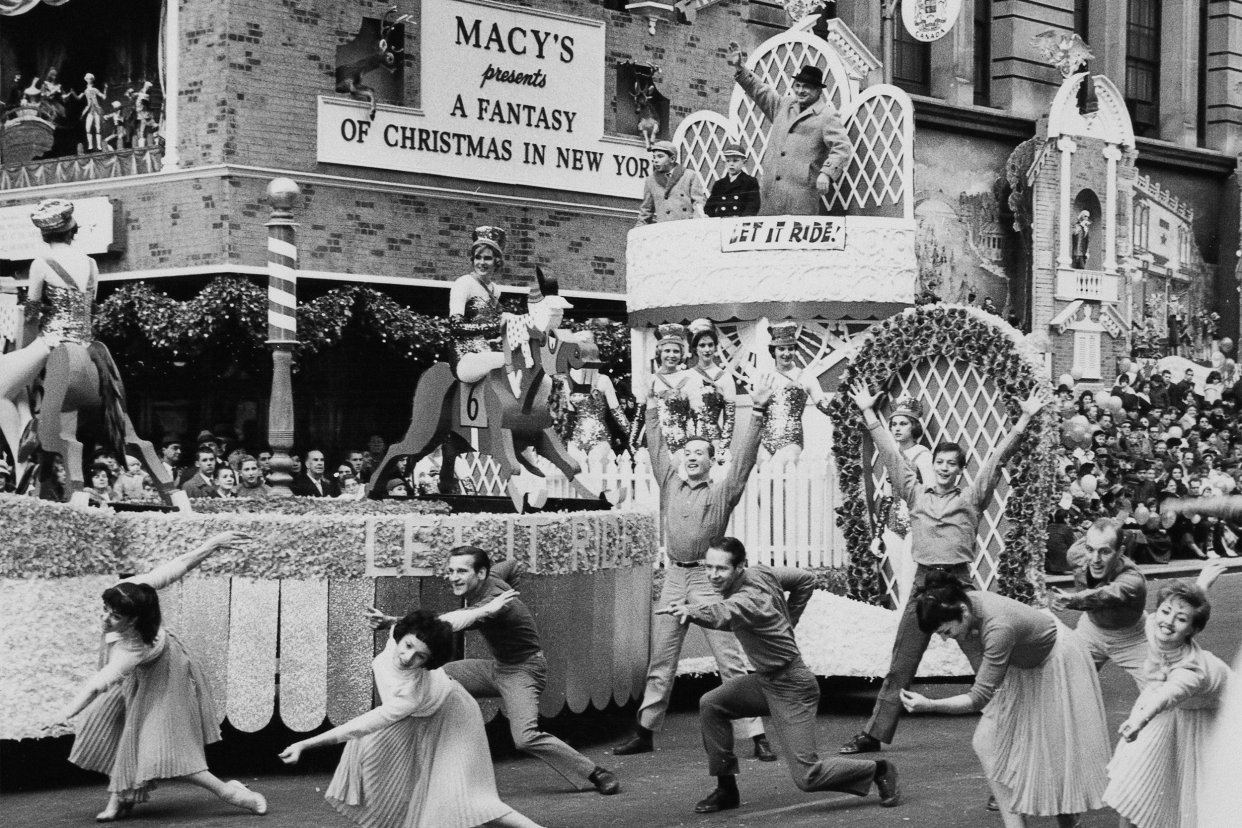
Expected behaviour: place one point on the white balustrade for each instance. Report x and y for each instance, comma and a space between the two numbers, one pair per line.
1087, 284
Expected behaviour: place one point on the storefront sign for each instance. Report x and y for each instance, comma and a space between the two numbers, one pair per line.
20, 240
781, 233
509, 95
929, 20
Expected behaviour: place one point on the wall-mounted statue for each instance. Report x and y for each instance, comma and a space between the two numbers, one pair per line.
644, 94
365, 54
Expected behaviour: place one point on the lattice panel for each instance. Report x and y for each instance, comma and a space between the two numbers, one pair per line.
881, 169
701, 139
963, 405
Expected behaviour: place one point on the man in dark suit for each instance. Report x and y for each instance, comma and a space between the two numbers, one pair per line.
200, 483
737, 193
313, 482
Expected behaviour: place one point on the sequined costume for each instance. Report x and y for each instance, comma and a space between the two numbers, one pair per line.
590, 408
715, 412
783, 425
67, 313
479, 330
673, 408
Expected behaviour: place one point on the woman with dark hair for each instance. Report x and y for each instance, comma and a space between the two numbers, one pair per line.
420, 759
714, 402
148, 711
102, 479
1042, 739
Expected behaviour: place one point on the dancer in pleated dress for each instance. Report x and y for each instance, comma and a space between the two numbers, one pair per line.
1158, 775
420, 759
1042, 739
148, 711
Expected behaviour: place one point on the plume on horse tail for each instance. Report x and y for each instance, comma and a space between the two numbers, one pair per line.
112, 394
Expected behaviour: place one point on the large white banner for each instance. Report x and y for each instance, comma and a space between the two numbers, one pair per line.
511, 95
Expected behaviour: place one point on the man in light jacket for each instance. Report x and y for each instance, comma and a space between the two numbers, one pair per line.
671, 192
808, 146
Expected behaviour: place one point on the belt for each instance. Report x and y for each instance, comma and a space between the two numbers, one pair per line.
687, 564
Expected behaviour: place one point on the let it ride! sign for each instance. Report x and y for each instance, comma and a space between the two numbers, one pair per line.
510, 95
781, 233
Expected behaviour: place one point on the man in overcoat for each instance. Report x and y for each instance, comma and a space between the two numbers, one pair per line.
808, 147
671, 192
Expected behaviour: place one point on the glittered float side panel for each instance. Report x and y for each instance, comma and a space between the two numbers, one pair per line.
253, 613
303, 654
576, 622
204, 629
603, 633
350, 647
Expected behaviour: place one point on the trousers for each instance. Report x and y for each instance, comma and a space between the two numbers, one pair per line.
1127, 648
908, 649
790, 696
667, 636
519, 686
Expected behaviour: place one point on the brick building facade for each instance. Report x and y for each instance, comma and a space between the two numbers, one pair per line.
245, 79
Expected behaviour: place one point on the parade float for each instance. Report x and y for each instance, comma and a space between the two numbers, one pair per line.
279, 628
840, 287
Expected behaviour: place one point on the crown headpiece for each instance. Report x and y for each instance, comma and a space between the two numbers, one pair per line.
907, 406
784, 333
53, 214
492, 237
671, 333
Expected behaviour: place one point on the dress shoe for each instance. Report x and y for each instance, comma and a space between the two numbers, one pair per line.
604, 781
992, 804
112, 815
886, 783
763, 750
862, 743
639, 744
235, 793
721, 799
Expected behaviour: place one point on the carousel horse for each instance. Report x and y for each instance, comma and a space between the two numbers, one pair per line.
71, 387
511, 416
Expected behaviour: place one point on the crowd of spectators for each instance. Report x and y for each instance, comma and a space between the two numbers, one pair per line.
1154, 436
219, 467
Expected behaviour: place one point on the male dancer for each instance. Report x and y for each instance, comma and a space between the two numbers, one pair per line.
695, 510
751, 602
517, 670
944, 518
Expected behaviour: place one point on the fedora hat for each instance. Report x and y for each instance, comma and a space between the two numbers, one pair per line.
811, 76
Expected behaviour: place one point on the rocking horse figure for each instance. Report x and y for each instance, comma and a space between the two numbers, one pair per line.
500, 383
79, 374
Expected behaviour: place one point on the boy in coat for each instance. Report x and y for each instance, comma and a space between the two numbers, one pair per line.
671, 192
737, 193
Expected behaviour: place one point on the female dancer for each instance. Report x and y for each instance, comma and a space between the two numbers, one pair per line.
591, 400
148, 712
420, 759
1042, 739
906, 425
714, 402
474, 309
1157, 775
791, 388
669, 387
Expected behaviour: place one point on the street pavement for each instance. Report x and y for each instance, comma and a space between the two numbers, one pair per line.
941, 780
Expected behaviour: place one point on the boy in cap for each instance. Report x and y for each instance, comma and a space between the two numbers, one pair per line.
671, 192
737, 193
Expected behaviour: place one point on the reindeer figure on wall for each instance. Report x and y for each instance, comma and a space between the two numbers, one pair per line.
644, 107
388, 52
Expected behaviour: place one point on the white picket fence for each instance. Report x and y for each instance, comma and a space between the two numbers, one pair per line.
786, 516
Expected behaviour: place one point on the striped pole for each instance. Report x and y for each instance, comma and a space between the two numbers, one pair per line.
282, 327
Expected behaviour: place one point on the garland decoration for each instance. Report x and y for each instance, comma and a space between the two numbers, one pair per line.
148, 331
998, 351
